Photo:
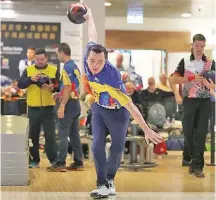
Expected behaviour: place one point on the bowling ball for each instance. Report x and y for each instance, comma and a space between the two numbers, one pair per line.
209, 75
43, 80
160, 148
75, 13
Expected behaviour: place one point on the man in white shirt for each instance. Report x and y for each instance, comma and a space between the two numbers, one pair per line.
196, 102
28, 61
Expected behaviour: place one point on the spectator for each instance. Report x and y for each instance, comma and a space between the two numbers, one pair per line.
153, 95
135, 96
119, 61
28, 61
163, 83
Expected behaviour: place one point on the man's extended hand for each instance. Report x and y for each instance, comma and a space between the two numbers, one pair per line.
153, 136
209, 84
48, 87
88, 14
198, 78
56, 96
35, 78
61, 111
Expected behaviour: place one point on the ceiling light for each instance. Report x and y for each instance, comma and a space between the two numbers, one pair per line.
8, 14
134, 19
8, 1
186, 15
107, 4
135, 16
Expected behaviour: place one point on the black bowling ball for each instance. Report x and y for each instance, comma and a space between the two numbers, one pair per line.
75, 13
43, 80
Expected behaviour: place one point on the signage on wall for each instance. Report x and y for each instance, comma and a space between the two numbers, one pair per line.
16, 37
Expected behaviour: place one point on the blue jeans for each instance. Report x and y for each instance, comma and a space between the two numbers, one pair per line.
69, 127
114, 122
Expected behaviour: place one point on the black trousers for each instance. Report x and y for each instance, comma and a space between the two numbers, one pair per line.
195, 127
212, 124
212, 117
44, 116
186, 154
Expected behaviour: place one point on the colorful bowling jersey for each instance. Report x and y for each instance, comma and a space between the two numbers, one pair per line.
107, 86
189, 66
70, 75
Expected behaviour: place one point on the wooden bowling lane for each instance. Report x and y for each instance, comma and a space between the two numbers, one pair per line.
169, 176
119, 196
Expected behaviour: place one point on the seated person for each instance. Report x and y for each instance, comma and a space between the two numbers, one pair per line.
135, 96
153, 95
163, 84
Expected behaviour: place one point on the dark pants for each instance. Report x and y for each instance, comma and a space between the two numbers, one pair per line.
186, 154
196, 111
212, 117
69, 127
212, 124
44, 116
114, 122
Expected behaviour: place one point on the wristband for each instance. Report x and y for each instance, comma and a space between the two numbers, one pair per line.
191, 77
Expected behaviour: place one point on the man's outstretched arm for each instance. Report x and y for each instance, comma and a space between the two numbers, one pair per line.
92, 32
92, 36
126, 102
149, 134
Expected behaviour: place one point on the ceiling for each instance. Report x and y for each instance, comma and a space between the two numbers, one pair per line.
164, 8
152, 8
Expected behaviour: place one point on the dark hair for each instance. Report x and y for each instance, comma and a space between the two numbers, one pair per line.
199, 37
97, 48
31, 48
64, 48
40, 51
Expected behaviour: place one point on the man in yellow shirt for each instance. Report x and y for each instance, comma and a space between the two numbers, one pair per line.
41, 80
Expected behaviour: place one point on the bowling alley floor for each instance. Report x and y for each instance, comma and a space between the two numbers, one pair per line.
168, 181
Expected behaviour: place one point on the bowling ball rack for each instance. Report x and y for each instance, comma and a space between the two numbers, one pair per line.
146, 152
